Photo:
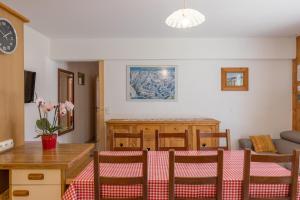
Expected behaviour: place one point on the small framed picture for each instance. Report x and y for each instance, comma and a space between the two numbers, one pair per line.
234, 79
81, 78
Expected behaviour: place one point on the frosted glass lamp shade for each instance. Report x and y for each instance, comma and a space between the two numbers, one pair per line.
185, 18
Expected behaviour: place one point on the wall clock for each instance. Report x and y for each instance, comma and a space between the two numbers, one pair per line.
8, 37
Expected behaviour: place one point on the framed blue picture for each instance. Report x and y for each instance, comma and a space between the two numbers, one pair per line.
157, 83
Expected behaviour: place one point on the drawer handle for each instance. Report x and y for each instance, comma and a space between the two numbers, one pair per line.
35, 176
21, 193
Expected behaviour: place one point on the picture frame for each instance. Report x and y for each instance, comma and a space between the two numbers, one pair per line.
151, 83
81, 78
235, 79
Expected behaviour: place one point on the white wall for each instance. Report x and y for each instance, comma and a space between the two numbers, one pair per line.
37, 59
79, 49
265, 108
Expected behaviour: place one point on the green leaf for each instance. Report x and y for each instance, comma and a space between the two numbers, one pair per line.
54, 129
43, 124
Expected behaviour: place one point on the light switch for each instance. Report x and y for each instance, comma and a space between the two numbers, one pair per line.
5, 145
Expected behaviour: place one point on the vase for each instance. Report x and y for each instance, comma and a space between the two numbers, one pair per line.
49, 141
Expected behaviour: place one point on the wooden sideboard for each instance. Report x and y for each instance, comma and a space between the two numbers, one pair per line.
163, 125
35, 174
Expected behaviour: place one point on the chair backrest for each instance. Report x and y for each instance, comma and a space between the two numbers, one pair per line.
128, 136
215, 180
217, 135
101, 180
291, 180
159, 136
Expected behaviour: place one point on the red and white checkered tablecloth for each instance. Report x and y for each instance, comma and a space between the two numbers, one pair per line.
82, 187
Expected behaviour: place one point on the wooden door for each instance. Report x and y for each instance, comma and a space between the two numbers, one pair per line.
296, 96
296, 88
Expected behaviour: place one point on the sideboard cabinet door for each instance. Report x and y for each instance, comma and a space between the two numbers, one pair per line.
122, 142
210, 142
174, 128
149, 135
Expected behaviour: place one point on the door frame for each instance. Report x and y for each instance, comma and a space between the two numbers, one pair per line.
101, 133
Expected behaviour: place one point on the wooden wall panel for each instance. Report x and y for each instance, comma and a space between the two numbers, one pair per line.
12, 86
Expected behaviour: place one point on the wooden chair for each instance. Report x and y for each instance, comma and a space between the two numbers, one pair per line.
159, 136
217, 135
216, 180
100, 180
115, 136
291, 180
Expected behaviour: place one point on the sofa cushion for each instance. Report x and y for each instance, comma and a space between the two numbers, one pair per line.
263, 143
293, 136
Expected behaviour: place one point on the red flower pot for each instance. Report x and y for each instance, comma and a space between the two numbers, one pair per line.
49, 141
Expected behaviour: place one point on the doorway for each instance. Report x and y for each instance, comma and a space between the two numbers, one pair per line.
86, 95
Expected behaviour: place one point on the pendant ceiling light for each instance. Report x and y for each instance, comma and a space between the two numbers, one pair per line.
185, 18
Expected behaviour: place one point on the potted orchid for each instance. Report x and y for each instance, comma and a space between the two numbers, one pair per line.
48, 130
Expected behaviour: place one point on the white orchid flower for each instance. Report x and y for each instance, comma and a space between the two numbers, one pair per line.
69, 106
40, 101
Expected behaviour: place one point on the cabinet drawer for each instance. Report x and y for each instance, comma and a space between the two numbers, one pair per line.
36, 192
175, 128
148, 130
24, 177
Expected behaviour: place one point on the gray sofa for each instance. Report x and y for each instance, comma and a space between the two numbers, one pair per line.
289, 140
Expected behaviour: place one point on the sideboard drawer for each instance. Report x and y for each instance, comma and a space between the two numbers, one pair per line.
36, 192
175, 128
24, 177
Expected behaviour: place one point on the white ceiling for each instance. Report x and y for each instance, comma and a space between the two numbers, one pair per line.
145, 18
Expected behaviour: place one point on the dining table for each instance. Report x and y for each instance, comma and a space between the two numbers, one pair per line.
82, 187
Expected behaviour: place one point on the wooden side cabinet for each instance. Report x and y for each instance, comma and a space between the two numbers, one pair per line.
35, 174
34, 184
163, 125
